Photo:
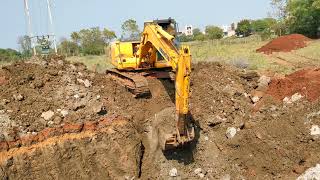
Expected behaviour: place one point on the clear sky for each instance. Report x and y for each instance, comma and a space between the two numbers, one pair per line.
73, 15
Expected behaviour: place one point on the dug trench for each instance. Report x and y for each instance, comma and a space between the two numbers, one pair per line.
60, 121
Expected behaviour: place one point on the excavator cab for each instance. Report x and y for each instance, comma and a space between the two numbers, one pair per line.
168, 25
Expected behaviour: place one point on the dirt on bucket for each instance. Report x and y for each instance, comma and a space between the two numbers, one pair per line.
285, 44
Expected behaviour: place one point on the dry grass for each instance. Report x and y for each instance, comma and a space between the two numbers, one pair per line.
238, 52
94, 63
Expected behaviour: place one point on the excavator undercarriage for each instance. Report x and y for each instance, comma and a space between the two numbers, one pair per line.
136, 82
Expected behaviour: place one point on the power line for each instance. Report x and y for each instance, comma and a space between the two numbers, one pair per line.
42, 40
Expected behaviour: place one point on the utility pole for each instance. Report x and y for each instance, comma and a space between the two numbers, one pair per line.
27, 12
52, 28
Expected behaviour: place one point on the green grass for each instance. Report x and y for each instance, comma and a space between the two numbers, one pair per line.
237, 52
230, 53
312, 51
93, 63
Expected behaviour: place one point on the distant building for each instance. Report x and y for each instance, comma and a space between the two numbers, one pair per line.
229, 30
188, 30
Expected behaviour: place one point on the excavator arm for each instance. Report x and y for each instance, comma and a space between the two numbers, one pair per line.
154, 37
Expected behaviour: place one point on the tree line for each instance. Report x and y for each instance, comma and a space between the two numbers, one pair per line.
287, 16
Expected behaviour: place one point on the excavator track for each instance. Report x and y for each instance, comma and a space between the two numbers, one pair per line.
135, 82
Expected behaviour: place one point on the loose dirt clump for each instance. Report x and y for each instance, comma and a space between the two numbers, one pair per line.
305, 82
285, 44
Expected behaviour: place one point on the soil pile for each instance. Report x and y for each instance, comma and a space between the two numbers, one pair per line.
305, 82
58, 120
285, 44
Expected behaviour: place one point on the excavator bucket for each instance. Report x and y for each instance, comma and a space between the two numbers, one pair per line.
183, 136
174, 141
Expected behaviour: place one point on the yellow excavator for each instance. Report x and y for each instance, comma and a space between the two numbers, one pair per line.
156, 52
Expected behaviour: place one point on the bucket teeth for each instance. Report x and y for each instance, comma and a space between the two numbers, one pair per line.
173, 141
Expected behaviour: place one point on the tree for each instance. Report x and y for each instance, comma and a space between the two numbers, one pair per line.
214, 32
196, 32
9, 55
130, 30
280, 12
25, 45
279, 8
244, 28
69, 48
262, 25
200, 37
91, 41
304, 17
108, 35
184, 38
75, 36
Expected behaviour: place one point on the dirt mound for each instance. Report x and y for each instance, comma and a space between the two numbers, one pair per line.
305, 82
58, 120
285, 44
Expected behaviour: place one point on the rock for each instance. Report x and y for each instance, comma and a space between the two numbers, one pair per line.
57, 120
129, 178
293, 98
311, 173
298, 169
18, 97
212, 122
201, 175
99, 108
80, 81
73, 67
47, 115
286, 100
296, 97
206, 138
98, 97
77, 96
173, 172
87, 83
78, 105
263, 81
197, 171
50, 123
5, 101
64, 113
44, 63
231, 132
255, 99
2, 137
60, 62
315, 130
226, 177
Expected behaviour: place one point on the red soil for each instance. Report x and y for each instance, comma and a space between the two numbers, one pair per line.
306, 82
285, 44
